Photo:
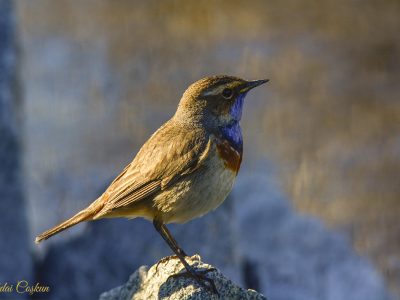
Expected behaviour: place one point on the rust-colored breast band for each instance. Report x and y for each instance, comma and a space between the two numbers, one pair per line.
230, 156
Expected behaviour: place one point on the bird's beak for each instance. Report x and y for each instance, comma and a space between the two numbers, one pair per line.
248, 85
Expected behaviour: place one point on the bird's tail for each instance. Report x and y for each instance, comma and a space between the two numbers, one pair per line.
84, 215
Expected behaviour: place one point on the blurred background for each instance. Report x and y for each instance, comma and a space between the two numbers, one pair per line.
315, 212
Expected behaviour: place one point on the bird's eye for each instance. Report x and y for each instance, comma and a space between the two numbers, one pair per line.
227, 93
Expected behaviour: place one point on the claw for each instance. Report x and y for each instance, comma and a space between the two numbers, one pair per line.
165, 259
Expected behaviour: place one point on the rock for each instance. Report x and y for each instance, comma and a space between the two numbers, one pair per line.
15, 258
155, 283
292, 256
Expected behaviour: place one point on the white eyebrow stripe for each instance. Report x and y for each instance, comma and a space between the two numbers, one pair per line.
217, 90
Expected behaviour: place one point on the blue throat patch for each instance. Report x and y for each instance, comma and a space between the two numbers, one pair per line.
232, 132
237, 107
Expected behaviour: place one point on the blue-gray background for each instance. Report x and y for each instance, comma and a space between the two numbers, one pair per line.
315, 213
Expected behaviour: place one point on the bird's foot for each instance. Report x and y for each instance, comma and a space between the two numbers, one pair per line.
167, 258
200, 277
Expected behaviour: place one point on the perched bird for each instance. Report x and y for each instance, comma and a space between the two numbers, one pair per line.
186, 169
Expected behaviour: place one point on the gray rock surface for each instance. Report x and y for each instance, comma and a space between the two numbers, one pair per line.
287, 255
15, 258
155, 283
104, 255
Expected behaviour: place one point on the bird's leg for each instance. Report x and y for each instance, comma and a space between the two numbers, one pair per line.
199, 276
172, 240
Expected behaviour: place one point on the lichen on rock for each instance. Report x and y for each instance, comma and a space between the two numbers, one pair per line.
157, 283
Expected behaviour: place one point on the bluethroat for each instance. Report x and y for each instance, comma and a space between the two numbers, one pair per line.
185, 169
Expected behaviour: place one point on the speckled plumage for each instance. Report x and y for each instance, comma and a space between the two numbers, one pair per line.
187, 167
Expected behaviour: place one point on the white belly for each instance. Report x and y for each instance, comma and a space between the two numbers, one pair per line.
197, 193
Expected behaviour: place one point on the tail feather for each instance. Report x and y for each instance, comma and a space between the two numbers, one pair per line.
83, 215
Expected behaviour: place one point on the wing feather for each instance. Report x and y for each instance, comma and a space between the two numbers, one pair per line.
138, 194
171, 152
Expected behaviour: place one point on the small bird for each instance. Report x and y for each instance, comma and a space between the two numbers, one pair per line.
185, 169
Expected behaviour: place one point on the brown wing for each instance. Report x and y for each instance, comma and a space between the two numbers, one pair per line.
173, 151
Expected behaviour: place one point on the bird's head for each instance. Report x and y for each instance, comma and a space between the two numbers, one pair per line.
216, 100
